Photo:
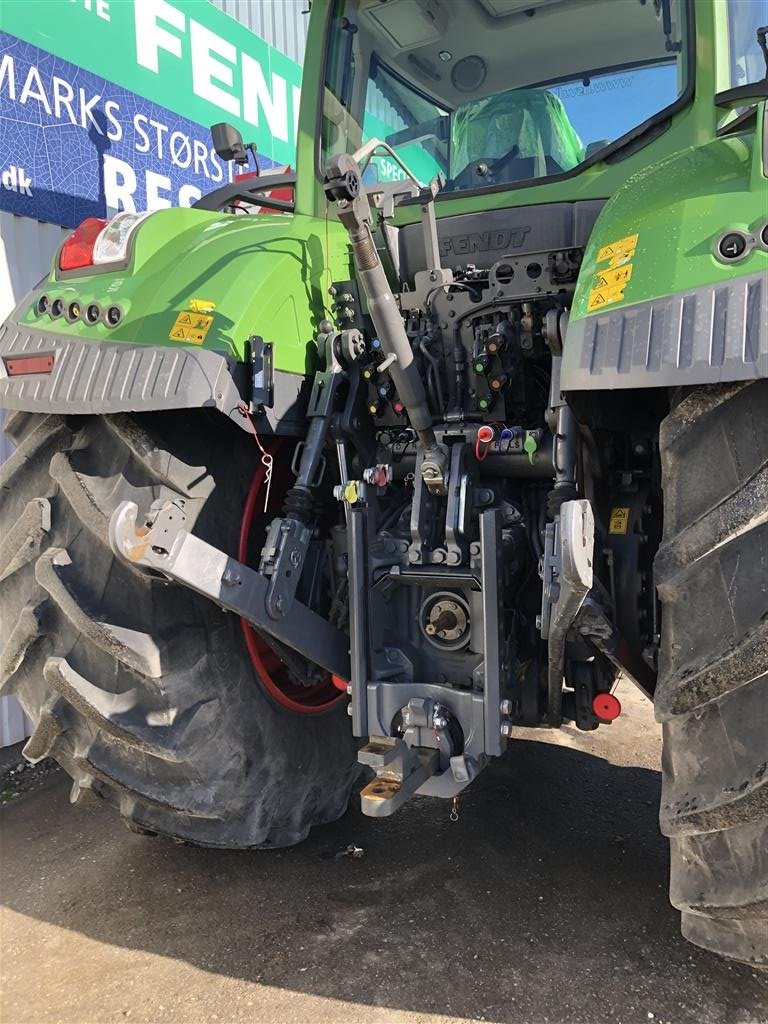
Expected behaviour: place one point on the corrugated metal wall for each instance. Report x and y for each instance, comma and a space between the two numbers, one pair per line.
26, 250
282, 23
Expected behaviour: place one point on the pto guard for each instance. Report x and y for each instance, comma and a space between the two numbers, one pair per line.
109, 377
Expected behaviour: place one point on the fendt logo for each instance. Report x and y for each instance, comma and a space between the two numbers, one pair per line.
16, 179
483, 241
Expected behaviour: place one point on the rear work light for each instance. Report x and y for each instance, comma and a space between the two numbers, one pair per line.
97, 242
112, 243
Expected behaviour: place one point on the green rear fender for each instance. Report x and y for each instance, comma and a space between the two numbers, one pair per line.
256, 274
656, 237
657, 304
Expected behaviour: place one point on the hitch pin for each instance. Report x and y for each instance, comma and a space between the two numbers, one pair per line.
386, 363
454, 815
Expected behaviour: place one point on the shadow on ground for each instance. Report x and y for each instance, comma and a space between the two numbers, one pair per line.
545, 901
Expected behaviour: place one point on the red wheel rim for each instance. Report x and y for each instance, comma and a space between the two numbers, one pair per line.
271, 671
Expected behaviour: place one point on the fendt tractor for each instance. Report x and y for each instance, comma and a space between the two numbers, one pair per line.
361, 484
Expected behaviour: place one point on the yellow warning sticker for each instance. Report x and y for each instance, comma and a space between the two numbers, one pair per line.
621, 249
202, 305
600, 297
191, 327
619, 520
621, 258
609, 283
613, 276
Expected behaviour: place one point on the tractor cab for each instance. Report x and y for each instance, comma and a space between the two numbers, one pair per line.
497, 93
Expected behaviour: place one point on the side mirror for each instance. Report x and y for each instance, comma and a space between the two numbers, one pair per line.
743, 95
228, 143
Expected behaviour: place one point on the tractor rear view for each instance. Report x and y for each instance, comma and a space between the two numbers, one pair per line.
378, 476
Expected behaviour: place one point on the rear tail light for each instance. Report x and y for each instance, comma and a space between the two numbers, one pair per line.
77, 250
97, 242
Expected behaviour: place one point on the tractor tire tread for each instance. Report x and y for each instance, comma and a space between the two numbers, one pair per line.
712, 695
141, 689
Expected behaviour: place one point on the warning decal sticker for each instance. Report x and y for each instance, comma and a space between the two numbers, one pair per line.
608, 286
610, 278
619, 520
191, 327
617, 250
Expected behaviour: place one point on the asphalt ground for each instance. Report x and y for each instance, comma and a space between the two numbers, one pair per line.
545, 902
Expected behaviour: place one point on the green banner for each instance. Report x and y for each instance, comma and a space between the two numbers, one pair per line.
184, 55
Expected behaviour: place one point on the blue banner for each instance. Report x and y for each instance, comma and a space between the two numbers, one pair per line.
73, 145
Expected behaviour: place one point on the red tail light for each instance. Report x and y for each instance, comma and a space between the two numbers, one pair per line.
77, 250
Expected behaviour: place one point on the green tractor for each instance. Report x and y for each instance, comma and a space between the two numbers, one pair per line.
367, 479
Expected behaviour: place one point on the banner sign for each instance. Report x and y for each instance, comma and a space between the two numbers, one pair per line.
106, 105
184, 55
74, 145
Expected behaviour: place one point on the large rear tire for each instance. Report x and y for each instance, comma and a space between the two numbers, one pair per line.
712, 695
142, 690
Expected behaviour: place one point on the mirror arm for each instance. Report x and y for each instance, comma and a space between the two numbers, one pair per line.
224, 196
251, 147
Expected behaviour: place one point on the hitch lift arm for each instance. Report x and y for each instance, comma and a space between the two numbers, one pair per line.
165, 545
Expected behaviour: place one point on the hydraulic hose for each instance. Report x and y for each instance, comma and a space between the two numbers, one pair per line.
423, 346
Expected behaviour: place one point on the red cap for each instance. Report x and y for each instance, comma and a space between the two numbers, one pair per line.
485, 435
606, 706
339, 683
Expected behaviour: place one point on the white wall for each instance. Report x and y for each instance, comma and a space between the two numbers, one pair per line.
26, 250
